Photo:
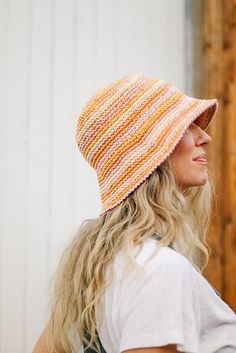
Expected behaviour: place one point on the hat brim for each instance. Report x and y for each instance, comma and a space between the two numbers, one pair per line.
205, 118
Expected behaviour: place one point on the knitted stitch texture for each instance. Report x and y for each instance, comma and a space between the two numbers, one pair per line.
129, 127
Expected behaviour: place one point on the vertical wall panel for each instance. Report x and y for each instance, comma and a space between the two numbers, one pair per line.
3, 66
229, 149
14, 188
62, 139
149, 37
93, 55
39, 189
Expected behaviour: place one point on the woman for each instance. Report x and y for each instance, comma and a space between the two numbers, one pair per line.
131, 280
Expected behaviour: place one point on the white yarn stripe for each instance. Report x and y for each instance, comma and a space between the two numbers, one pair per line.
136, 125
136, 104
164, 151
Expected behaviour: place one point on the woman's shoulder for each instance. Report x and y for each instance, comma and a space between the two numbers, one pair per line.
166, 255
155, 261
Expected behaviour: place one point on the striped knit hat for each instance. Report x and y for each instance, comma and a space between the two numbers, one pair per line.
129, 127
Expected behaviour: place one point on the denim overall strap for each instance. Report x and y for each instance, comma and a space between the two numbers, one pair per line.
90, 350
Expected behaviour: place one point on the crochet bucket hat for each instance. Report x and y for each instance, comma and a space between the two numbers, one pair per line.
129, 127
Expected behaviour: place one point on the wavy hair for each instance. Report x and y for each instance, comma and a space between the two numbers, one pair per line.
79, 281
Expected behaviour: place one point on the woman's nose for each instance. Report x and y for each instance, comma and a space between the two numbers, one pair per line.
207, 138
203, 137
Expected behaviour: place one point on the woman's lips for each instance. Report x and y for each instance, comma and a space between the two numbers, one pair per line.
201, 160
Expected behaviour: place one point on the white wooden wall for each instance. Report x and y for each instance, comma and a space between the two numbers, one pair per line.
53, 55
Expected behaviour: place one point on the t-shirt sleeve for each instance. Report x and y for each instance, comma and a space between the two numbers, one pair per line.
161, 308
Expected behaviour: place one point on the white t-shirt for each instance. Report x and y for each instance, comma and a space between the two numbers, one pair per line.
170, 303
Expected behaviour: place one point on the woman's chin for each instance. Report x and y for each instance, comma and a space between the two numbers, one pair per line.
201, 181
198, 181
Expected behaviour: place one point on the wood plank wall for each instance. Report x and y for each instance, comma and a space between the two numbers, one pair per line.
212, 24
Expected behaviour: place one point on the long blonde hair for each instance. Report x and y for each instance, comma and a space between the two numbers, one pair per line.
79, 283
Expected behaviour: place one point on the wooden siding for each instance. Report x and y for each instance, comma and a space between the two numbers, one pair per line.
212, 25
